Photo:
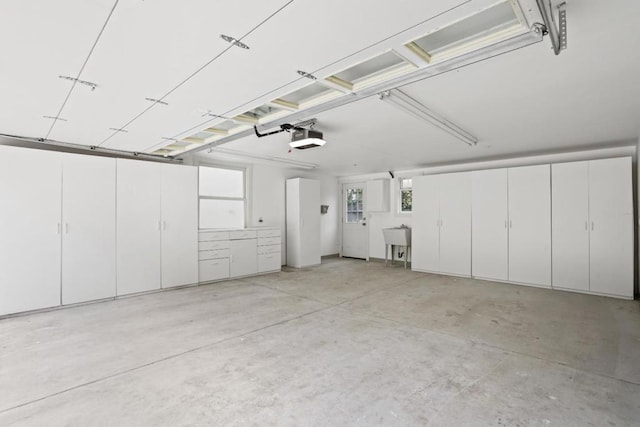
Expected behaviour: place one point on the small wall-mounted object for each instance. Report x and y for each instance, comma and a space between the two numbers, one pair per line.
378, 195
324, 209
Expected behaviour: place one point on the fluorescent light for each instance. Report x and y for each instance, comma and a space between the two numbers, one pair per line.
409, 105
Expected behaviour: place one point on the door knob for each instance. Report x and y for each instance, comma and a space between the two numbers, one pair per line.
364, 223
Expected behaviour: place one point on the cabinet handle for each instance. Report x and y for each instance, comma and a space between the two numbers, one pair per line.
164, 225
441, 223
592, 226
59, 228
66, 228
505, 223
158, 225
586, 226
510, 224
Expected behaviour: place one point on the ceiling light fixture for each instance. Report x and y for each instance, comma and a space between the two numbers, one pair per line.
409, 105
234, 41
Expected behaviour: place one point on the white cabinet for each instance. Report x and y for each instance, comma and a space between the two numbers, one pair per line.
179, 223
138, 226
611, 214
377, 194
570, 225
89, 228
30, 252
442, 223
490, 236
303, 222
593, 226
530, 225
269, 250
244, 257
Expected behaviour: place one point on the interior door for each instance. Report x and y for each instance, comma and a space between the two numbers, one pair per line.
455, 223
490, 235
138, 226
179, 239
570, 219
30, 195
611, 228
530, 225
89, 229
355, 233
425, 232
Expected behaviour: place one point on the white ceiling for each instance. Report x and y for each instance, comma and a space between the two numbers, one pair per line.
521, 102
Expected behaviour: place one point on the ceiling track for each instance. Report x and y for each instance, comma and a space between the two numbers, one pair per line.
534, 35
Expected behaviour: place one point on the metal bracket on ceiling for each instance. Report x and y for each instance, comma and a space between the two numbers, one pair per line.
557, 32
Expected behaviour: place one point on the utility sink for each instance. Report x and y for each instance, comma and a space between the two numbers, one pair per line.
400, 236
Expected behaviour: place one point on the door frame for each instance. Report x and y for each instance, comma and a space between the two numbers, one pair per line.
365, 213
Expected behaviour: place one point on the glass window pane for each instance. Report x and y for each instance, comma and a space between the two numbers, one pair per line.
221, 213
405, 183
407, 200
218, 182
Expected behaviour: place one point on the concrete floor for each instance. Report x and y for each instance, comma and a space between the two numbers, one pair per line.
345, 343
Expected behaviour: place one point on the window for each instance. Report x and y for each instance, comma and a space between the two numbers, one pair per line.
405, 195
354, 205
222, 197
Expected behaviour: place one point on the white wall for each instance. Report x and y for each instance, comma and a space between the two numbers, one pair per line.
379, 220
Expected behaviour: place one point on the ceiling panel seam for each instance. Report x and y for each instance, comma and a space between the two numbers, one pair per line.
193, 74
274, 91
84, 64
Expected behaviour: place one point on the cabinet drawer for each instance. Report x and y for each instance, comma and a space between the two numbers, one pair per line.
214, 244
269, 233
213, 254
269, 249
242, 234
204, 236
269, 262
265, 241
214, 269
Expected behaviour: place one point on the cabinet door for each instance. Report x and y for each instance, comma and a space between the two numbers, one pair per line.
30, 195
530, 225
310, 222
89, 229
179, 241
611, 211
455, 223
244, 257
490, 236
569, 219
138, 225
425, 233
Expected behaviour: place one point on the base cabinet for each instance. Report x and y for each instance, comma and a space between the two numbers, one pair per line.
214, 269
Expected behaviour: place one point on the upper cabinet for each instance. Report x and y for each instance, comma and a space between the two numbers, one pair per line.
377, 195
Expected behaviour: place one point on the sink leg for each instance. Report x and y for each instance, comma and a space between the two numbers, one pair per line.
386, 251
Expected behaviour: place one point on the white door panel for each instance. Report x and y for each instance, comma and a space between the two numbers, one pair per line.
570, 218
30, 195
89, 228
355, 231
530, 225
138, 226
179, 240
611, 212
490, 241
425, 232
455, 223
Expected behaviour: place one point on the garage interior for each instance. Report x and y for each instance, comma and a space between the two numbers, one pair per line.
320, 213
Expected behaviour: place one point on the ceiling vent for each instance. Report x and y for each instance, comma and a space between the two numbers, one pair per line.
301, 139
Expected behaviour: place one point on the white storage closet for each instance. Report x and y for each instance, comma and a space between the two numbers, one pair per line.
512, 220
441, 233
157, 223
303, 222
593, 226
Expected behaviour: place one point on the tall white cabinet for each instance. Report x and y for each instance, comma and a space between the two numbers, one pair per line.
303, 222
157, 226
179, 208
31, 218
441, 233
529, 195
139, 226
490, 221
593, 226
88, 228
